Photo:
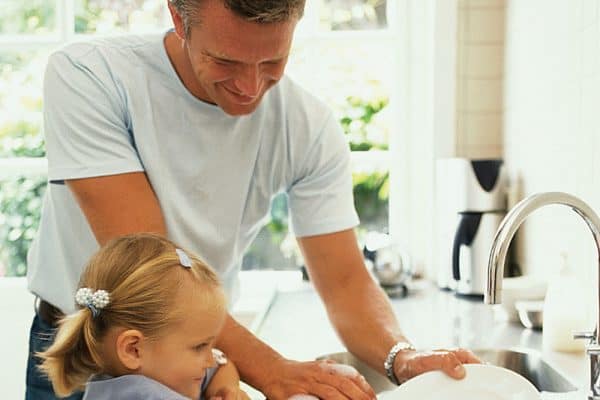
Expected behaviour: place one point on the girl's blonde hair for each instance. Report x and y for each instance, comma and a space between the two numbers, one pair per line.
142, 274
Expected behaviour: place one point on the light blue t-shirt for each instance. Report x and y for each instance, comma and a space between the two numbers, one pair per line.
116, 105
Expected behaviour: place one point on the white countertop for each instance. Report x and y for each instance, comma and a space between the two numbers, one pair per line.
296, 325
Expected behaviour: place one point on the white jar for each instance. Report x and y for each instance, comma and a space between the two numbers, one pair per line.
565, 312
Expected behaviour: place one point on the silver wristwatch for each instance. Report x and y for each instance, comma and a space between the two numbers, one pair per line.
389, 360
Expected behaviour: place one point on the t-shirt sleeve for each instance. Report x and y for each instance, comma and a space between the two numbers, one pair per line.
321, 199
85, 119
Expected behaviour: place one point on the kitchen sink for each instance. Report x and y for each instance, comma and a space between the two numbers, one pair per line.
530, 365
527, 363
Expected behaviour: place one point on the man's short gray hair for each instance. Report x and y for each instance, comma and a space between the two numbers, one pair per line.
259, 11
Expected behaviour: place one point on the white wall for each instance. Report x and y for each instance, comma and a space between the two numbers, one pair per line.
16, 311
527, 88
467, 104
479, 78
552, 124
411, 166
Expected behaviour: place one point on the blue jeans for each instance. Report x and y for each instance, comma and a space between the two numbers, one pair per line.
38, 386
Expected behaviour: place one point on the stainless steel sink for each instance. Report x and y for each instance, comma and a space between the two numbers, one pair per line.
526, 363
531, 366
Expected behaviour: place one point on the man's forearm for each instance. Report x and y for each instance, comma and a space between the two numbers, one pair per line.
247, 352
362, 311
359, 310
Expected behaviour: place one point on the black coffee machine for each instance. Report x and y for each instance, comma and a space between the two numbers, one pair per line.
470, 205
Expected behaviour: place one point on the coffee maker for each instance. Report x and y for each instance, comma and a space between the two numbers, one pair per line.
470, 205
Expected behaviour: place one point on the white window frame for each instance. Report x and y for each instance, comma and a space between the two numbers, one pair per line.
365, 160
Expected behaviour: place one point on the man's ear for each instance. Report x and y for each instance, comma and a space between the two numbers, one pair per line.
177, 22
130, 345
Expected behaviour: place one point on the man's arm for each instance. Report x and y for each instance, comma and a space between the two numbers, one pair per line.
121, 204
360, 310
117, 205
278, 378
356, 306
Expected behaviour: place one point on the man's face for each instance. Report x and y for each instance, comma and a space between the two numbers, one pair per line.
235, 61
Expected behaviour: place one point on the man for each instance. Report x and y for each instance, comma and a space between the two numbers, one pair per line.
190, 135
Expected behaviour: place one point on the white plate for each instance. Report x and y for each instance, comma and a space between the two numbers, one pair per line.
481, 382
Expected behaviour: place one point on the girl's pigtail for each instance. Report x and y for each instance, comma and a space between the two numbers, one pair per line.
73, 357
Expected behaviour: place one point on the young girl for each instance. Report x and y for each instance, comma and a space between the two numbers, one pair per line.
149, 314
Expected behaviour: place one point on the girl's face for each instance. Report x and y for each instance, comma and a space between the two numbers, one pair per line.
180, 358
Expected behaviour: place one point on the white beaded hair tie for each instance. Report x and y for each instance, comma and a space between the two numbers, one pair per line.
94, 300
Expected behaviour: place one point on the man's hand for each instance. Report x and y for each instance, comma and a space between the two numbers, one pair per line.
409, 364
321, 379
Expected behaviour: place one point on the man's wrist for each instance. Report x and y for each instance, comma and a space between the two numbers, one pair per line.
388, 364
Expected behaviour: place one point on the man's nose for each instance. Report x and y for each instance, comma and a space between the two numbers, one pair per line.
249, 81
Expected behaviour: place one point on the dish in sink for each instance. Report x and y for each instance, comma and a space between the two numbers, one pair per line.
481, 382
525, 362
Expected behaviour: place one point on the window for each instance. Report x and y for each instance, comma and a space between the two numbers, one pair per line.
341, 53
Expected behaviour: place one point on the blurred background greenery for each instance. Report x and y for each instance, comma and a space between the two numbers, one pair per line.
27, 17
352, 76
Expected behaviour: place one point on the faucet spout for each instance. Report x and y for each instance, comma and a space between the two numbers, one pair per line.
504, 236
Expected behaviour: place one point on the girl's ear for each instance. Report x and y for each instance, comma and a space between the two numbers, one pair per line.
129, 348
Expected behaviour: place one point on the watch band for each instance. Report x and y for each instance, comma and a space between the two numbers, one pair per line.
389, 360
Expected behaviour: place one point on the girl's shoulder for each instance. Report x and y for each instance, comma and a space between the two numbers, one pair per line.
128, 387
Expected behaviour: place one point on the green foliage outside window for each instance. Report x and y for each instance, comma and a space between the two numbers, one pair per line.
357, 119
20, 200
112, 16
21, 139
28, 17
20, 123
20, 206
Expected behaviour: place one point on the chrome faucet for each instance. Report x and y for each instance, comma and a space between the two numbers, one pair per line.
506, 231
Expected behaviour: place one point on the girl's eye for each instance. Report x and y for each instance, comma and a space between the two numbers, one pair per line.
200, 347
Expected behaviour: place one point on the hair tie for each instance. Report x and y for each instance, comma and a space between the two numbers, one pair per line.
94, 300
184, 259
